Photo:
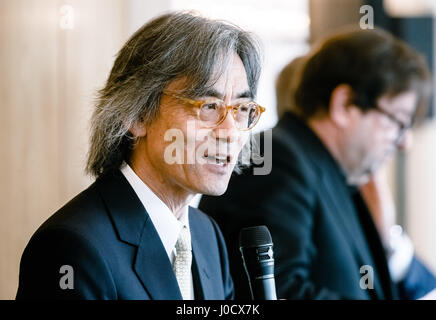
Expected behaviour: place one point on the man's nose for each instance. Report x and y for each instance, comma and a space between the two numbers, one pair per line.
406, 141
227, 129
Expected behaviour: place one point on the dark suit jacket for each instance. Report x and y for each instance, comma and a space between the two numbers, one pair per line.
322, 230
107, 237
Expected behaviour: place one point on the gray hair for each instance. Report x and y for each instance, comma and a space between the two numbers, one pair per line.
170, 47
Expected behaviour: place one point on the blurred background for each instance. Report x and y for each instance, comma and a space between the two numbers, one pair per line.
55, 54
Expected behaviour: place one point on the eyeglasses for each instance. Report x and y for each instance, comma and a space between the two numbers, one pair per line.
213, 112
402, 126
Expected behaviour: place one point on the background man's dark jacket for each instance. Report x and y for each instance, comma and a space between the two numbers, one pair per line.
322, 231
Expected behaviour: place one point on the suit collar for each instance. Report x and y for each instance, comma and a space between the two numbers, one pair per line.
165, 222
154, 268
309, 143
135, 227
198, 237
125, 208
152, 264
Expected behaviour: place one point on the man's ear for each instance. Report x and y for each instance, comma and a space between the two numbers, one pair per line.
340, 100
138, 129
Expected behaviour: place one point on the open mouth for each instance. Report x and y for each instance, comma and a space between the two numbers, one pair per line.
221, 160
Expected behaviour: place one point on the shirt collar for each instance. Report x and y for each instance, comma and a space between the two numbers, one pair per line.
164, 221
309, 143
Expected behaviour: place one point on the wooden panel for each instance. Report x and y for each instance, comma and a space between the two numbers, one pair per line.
29, 139
421, 207
328, 15
49, 77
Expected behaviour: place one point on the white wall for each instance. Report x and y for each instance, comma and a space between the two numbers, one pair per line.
282, 26
421, 193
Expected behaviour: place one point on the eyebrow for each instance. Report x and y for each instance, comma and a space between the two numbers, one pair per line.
216, 94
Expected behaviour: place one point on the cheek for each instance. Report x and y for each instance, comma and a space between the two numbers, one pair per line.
379, 146
373, 133
384, 131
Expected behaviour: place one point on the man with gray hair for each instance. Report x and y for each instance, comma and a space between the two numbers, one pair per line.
131, 234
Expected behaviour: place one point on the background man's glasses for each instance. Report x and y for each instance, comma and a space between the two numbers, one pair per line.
213, 112
402, 126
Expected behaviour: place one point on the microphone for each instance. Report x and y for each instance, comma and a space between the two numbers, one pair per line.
255, 244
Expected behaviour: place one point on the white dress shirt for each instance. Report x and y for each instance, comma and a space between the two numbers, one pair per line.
400, 253
163, 219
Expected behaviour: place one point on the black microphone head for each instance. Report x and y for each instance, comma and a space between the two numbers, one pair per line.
255, 244
254, 236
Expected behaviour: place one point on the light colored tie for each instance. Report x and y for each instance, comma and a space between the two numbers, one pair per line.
182, 263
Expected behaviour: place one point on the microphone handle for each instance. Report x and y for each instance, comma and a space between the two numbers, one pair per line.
263, 288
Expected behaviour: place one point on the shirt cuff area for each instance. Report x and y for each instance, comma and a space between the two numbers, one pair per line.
400, 253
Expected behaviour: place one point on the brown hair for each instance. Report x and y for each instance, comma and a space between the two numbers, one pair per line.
372, 62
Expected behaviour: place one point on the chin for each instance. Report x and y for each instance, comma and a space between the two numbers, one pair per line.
213, 184
214, 190
214, 187
214, 193
363, 173
359, 179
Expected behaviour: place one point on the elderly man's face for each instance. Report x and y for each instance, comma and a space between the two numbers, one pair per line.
377, 134
210, 170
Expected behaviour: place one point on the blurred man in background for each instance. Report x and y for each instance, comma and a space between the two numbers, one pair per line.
286, 84
131, 234
355, 101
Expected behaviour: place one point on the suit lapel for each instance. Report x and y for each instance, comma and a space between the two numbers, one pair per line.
200, 257
337, 194
340, 203
333, 191
154, 268
346, 218
135, 227
375, 243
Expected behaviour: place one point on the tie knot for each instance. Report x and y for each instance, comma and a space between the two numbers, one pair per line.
184, 240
